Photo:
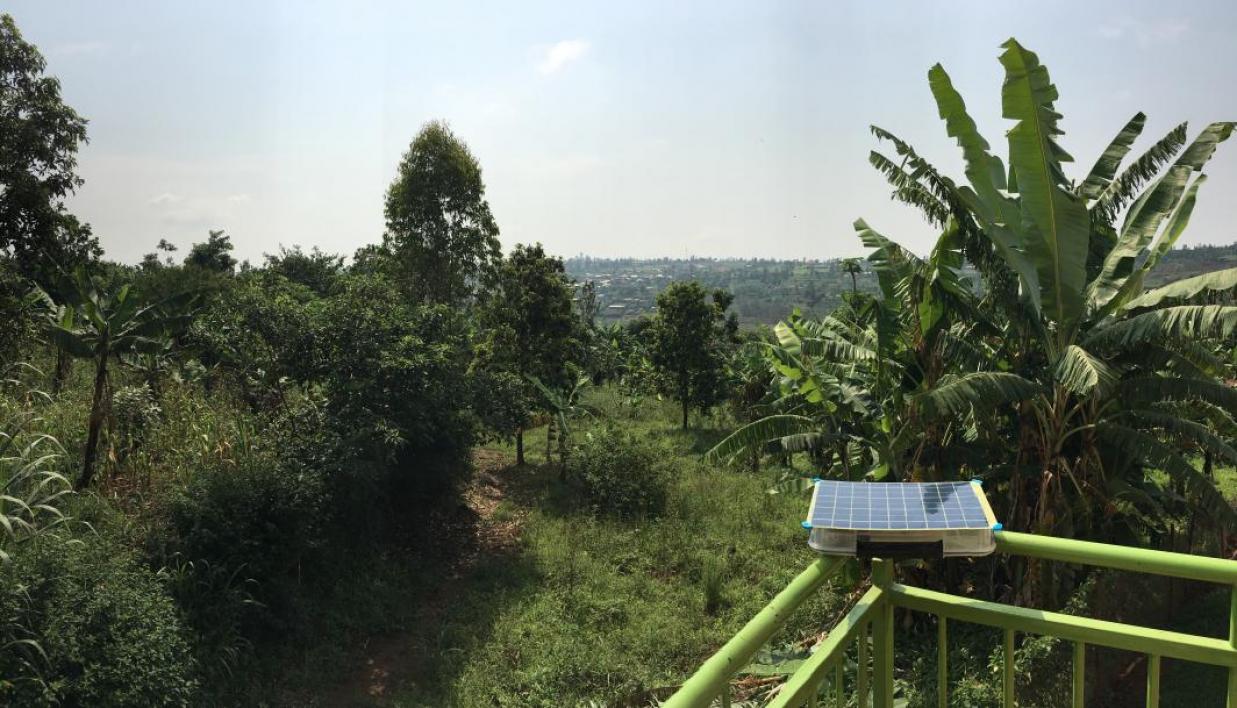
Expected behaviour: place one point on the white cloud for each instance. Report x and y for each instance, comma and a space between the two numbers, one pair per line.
1146, 34
166, 198
239, 198
561, 54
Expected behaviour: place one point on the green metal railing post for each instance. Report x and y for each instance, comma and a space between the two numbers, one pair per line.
713, 676
882, 631
1080, 674
1232, 641
861, 686
1105, 555
1007, 678
1153, 681
806, 679
942, 663
874, 613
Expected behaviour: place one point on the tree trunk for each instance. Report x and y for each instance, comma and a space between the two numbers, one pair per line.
549, 441
96, 422
519, 447
685, 413
64, 365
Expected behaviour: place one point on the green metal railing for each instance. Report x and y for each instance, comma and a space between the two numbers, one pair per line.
873, 615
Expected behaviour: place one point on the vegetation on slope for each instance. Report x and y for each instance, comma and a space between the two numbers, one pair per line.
271, 463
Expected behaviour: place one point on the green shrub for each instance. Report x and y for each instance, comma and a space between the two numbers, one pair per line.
255, 525
109, 635
622, 474
135, 411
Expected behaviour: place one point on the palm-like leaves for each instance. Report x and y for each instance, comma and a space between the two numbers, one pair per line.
1065, 375
31, 491
956, 396
94, 323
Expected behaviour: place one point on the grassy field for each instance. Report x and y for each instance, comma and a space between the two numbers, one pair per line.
520, 595
567, 606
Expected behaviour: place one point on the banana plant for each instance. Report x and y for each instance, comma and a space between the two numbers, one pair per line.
563, 405
93, 323
1060, 379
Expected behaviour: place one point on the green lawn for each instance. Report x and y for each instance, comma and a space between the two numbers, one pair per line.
594, 608
555, 606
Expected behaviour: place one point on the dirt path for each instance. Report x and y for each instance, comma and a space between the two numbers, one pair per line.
392, 660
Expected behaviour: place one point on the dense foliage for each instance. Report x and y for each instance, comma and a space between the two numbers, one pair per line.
39, 137
621, 474
440, 235
690, 337
1079, 396
272, 461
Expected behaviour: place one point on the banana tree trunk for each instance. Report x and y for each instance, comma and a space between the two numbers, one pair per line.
96, 423
64, 366
549, 441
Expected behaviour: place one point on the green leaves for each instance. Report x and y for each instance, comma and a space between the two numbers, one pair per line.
1188, 290
1055, 225
1185, 321
997, 212
1121, 190
1145, 447
984, 390
1106, 166
1170, 199
1081, 372
756, 434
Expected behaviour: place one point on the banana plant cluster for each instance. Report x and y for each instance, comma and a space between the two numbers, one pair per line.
1057, 376
88, 320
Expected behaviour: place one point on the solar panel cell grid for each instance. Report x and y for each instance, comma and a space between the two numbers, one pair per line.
899, 506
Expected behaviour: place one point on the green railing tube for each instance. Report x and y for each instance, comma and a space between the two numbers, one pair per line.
1007, 673
942, 663
839, 688
714, 675
1232, 642
1142, 560
862, 688
1175, 645
1153, 681
882, 638
1080, 675
805, 681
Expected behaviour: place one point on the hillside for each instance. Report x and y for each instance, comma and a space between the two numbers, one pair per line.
766, 290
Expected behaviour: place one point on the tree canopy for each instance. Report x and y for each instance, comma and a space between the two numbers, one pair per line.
530, 324
440, 235
691, 336
39, 138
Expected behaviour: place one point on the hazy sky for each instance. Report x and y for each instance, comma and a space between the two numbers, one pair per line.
615, 128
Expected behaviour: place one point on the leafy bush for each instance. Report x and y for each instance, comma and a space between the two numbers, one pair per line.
253, 522
135, 411
622, 474
108, 633
391, 371
16, 318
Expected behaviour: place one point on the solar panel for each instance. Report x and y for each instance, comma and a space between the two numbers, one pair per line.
933, 518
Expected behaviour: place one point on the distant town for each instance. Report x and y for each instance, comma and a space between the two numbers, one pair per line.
766, 290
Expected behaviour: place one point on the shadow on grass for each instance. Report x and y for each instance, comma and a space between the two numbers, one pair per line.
697, 441
416, 606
